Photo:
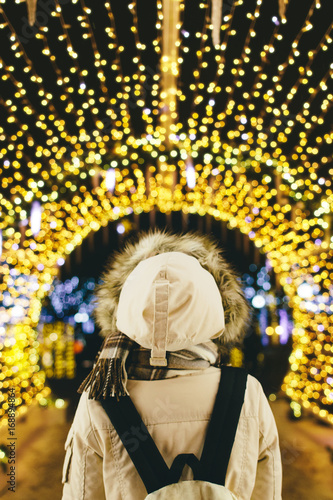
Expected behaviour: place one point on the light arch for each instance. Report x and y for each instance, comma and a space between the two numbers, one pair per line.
281, 232
243, 123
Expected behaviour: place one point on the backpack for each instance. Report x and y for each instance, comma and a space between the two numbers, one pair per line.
209, 472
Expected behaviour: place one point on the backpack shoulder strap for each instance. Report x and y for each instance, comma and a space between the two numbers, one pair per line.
223, 425
138, 442
220, 437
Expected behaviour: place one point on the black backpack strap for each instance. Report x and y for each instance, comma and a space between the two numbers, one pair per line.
223, 425
220, 437
138, 442
179, 463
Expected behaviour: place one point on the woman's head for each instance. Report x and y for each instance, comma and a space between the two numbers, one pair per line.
169, 302
203, 249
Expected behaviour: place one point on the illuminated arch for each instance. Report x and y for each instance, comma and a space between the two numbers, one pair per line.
260, 152
243, 203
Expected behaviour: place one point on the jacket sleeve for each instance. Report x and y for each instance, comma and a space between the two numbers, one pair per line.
82, 475
268, 484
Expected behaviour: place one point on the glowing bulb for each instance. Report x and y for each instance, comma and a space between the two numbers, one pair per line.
190, 176
110, 179
120, 229
35, 217
258, 301
305, 291
59, 403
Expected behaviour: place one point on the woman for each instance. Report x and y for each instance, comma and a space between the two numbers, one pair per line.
168, 307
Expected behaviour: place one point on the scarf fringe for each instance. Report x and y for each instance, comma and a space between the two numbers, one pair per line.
107, 378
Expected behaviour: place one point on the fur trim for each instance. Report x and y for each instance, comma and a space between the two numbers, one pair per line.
203, 248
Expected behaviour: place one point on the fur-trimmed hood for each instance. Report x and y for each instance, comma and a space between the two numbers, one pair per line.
204, 249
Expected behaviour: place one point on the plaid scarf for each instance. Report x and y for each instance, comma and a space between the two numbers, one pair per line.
121, 358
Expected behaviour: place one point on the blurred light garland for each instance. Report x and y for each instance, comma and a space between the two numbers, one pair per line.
260, 154
57, 350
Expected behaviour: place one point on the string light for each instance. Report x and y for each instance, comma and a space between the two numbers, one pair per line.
57, 351
110, 179
89, 144
35, 218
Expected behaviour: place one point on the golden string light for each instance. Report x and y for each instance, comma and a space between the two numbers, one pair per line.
83, 94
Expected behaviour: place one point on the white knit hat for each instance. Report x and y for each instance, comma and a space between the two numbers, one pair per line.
170, 302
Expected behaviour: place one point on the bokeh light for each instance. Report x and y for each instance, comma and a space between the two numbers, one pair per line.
96, 124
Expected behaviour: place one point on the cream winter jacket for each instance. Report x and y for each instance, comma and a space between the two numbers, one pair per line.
176, 412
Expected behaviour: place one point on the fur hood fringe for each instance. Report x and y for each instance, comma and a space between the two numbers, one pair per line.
202, 247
